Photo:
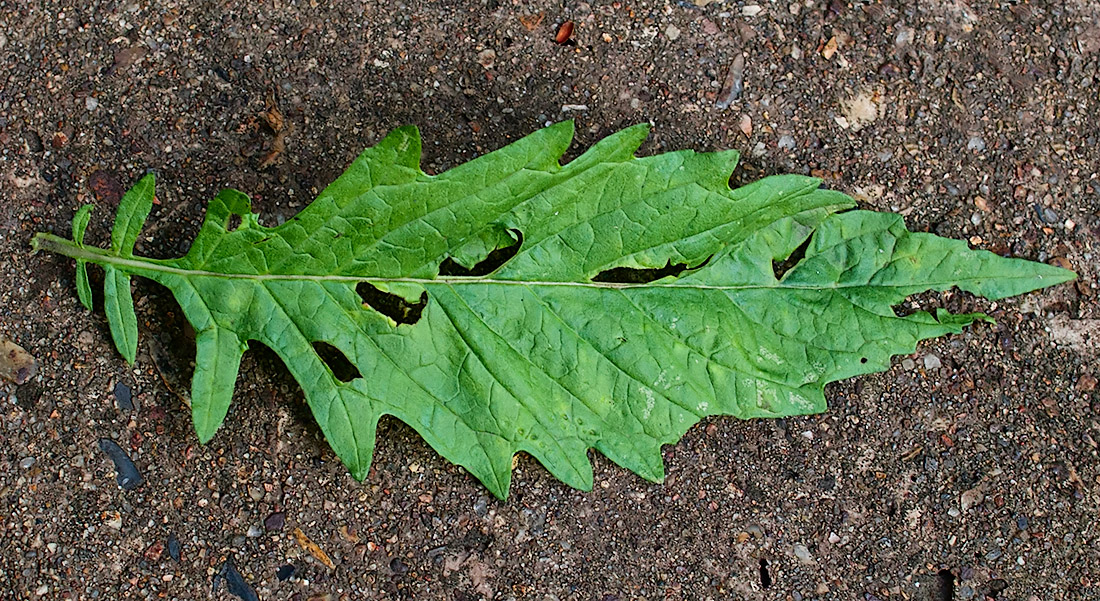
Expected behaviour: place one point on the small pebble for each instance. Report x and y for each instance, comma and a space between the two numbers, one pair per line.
786, 142
734, 84
254, 531
976, 144
124, 397
672, 32
173, 547
91, 103
932, 362
285, 572
127, 475
234, 582
275, 521
26, 462
803, 554
908, 364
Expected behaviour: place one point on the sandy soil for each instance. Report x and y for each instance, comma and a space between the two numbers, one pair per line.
967, 471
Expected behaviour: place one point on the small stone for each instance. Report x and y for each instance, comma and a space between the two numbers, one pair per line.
127, 474
971, 498
746, 125
487, 57
254, 531
953, 512
173, 547
275, 521
672, 32
751, 10
786, 142
803, 554
154, 552
833, 538
908, 364
481, 507
26, 462
755, 530
975, 144
113, 520
124, 397
966, 592
932, 362
285, 572
91, 103
42, 590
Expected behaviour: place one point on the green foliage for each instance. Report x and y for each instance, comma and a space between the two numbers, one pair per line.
543, 354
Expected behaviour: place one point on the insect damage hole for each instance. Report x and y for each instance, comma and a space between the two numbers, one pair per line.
337, 361
780, 268
492, 262
633, 275
391, 305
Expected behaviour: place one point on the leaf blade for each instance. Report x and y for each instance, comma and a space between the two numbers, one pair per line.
118, 304
132, 211
540, 356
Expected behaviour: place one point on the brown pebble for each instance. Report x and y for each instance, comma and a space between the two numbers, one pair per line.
565, 32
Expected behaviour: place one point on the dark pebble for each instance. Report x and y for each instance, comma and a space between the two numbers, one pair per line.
234, 582
996, 587
124, 397
398, 566
275, 521
1045, 214
173, 547
128, 476
285, 572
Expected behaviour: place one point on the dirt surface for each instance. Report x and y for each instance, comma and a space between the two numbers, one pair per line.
967, 471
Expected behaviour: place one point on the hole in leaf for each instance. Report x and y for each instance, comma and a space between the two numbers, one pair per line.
945, 586
488, 265
392, 305
765, 577
863, 359
337, 361
780, 268
233, 223
631, 275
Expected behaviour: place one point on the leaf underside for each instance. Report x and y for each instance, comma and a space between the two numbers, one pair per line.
538, 351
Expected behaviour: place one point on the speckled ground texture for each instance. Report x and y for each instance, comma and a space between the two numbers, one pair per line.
967, 471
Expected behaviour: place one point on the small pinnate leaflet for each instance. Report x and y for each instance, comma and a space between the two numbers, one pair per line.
543, 354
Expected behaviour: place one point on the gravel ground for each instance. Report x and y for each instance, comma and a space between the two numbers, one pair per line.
967, 471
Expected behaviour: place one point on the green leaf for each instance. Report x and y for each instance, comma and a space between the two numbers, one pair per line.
119, 307
564, 346
83, 287
132, 211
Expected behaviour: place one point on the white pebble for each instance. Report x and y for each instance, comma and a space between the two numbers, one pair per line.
932, 362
